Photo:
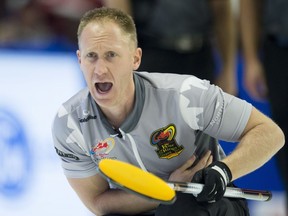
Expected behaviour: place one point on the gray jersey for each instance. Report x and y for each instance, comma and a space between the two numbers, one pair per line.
175, 116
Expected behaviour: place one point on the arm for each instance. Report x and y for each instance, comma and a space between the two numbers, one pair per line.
261, 139
225, 33
254, 79
94, 192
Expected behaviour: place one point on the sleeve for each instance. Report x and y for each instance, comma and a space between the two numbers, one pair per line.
70, 147
225, 116
207, 108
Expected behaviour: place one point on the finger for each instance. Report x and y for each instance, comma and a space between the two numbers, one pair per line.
188, 163
206, 194
206, 156
203, 161
210, 160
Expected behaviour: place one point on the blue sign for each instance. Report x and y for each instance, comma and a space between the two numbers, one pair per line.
15, 156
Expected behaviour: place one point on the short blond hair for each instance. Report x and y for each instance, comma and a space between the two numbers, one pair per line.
104, 14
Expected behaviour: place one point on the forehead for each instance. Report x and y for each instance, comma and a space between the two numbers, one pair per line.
103, 31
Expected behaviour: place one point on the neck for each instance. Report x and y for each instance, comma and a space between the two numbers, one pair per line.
116, 115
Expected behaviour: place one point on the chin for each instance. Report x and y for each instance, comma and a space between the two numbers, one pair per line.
103, 100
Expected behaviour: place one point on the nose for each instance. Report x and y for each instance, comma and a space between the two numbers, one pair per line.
100, 67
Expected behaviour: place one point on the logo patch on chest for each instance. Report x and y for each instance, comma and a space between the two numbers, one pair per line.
164, 140
103, 147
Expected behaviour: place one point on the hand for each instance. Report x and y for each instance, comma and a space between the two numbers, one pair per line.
215, 179
254, 80
186, 172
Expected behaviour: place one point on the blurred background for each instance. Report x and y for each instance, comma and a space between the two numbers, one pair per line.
39, 71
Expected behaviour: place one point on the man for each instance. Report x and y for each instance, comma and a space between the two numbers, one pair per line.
186, 32
264, 34
163, 123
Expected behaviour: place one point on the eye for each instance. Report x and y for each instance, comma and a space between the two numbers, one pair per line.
91, 55
110, 54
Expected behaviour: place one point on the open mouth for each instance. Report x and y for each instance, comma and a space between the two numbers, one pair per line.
103, 87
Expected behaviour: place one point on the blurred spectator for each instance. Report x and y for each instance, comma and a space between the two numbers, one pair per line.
25, 27
44, 25
264, 33
185, 35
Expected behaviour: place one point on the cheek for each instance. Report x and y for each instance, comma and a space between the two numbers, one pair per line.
84, 70
86, 67
87, 72
131, 64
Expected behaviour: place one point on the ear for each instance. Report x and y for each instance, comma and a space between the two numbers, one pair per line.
78, 56
137, 58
